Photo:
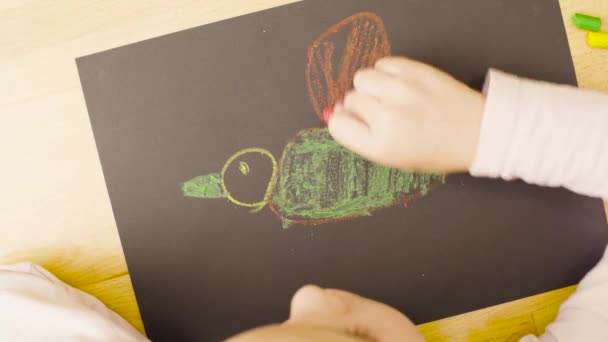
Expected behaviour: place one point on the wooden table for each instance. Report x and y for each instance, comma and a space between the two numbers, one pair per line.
54, 208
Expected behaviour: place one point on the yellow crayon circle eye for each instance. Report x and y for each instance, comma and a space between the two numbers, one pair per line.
245, 170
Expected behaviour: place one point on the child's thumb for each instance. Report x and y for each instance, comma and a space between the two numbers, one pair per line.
349, 313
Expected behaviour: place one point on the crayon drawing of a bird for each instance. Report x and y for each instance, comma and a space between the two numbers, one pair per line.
316, 180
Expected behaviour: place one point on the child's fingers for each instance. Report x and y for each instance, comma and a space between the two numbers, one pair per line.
351, 132
404, 67
384, 87
367, 108
378, 320
414, 71
349, 313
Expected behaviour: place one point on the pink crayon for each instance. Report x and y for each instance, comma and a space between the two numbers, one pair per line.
328, 112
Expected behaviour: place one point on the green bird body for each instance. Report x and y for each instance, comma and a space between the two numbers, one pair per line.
318, 181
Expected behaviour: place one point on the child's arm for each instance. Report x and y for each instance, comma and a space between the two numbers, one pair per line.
552, 135
409, 115
406, 114
545, 134
36, 306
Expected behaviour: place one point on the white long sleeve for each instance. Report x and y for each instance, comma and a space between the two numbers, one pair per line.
36, 306
552, 135
545, 134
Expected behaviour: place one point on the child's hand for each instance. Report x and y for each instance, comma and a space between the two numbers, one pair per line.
409, 115
328, 315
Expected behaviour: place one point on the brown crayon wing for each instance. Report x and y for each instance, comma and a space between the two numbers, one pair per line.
333, 59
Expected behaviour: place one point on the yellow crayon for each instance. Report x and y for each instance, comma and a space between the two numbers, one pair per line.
597, 39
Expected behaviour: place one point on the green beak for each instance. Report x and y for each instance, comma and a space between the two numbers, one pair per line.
208, 186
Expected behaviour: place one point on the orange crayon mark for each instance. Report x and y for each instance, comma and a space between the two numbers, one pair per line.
286, 221
366, 42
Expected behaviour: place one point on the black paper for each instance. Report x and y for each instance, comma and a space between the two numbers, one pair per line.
175, 107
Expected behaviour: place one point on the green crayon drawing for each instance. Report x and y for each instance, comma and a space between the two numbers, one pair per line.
204, 187
316, 180
319, 181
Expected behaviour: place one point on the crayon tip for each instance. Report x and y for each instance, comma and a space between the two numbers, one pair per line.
328, 112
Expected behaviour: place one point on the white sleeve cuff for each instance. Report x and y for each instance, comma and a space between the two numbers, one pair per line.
36, 306
498, 124
545, 134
